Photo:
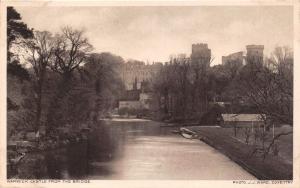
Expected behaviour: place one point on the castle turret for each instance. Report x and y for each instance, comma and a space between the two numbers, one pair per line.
255, 53
201, 54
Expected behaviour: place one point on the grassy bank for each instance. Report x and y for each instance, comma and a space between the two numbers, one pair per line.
271, 168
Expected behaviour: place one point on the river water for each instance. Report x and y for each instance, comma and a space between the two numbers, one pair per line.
133, 149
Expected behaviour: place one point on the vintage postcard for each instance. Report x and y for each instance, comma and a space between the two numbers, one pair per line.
161, 93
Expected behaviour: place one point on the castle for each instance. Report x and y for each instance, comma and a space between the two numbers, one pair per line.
254, 54
133, 73
136, 74
237, 58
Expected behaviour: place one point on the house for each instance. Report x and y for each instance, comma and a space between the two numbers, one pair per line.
130, 104
242, 120
137, 99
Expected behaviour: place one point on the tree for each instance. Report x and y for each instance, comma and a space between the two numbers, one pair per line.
16, 29
200, 80
268, 87
219, 81
16, 69
40, 50
96, 86
71, 48
101, 76
182, 86
269, 90
70, 52
163, 87
282, 61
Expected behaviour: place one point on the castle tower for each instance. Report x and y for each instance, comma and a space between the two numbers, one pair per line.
255, 53
201, 54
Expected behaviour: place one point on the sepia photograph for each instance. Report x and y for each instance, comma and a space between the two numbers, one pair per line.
149, 92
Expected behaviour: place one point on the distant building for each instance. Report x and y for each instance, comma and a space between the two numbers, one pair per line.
201, 55
131, 95
255, 53
146, 99
220, 103
130, 104
179, 58
141, 98
241, 120
234, 59
137, 71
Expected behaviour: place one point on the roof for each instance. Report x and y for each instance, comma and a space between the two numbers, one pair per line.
242, 117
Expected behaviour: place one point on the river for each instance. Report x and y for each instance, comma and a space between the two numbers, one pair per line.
134, 149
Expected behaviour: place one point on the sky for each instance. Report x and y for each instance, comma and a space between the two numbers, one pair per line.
152, 34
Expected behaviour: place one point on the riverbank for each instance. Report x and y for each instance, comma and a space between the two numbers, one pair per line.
50, 164
25, 151
270, 168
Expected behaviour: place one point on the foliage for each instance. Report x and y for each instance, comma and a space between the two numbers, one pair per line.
70, 48
100, 75
16, 69
11, 105
53, 60
123, 111
16, 29
212, 116
20, 116
184, 88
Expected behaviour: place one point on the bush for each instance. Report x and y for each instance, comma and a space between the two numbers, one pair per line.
132, 111
16, 69
213, 116
123, 111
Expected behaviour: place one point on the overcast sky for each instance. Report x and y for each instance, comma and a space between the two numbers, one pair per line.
153, 33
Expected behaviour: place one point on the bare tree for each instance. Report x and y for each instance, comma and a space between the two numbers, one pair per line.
40, 50
269, 88
70, 52
282, 62
71, 48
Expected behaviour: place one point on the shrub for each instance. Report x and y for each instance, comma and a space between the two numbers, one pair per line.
16, 69
123, 111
